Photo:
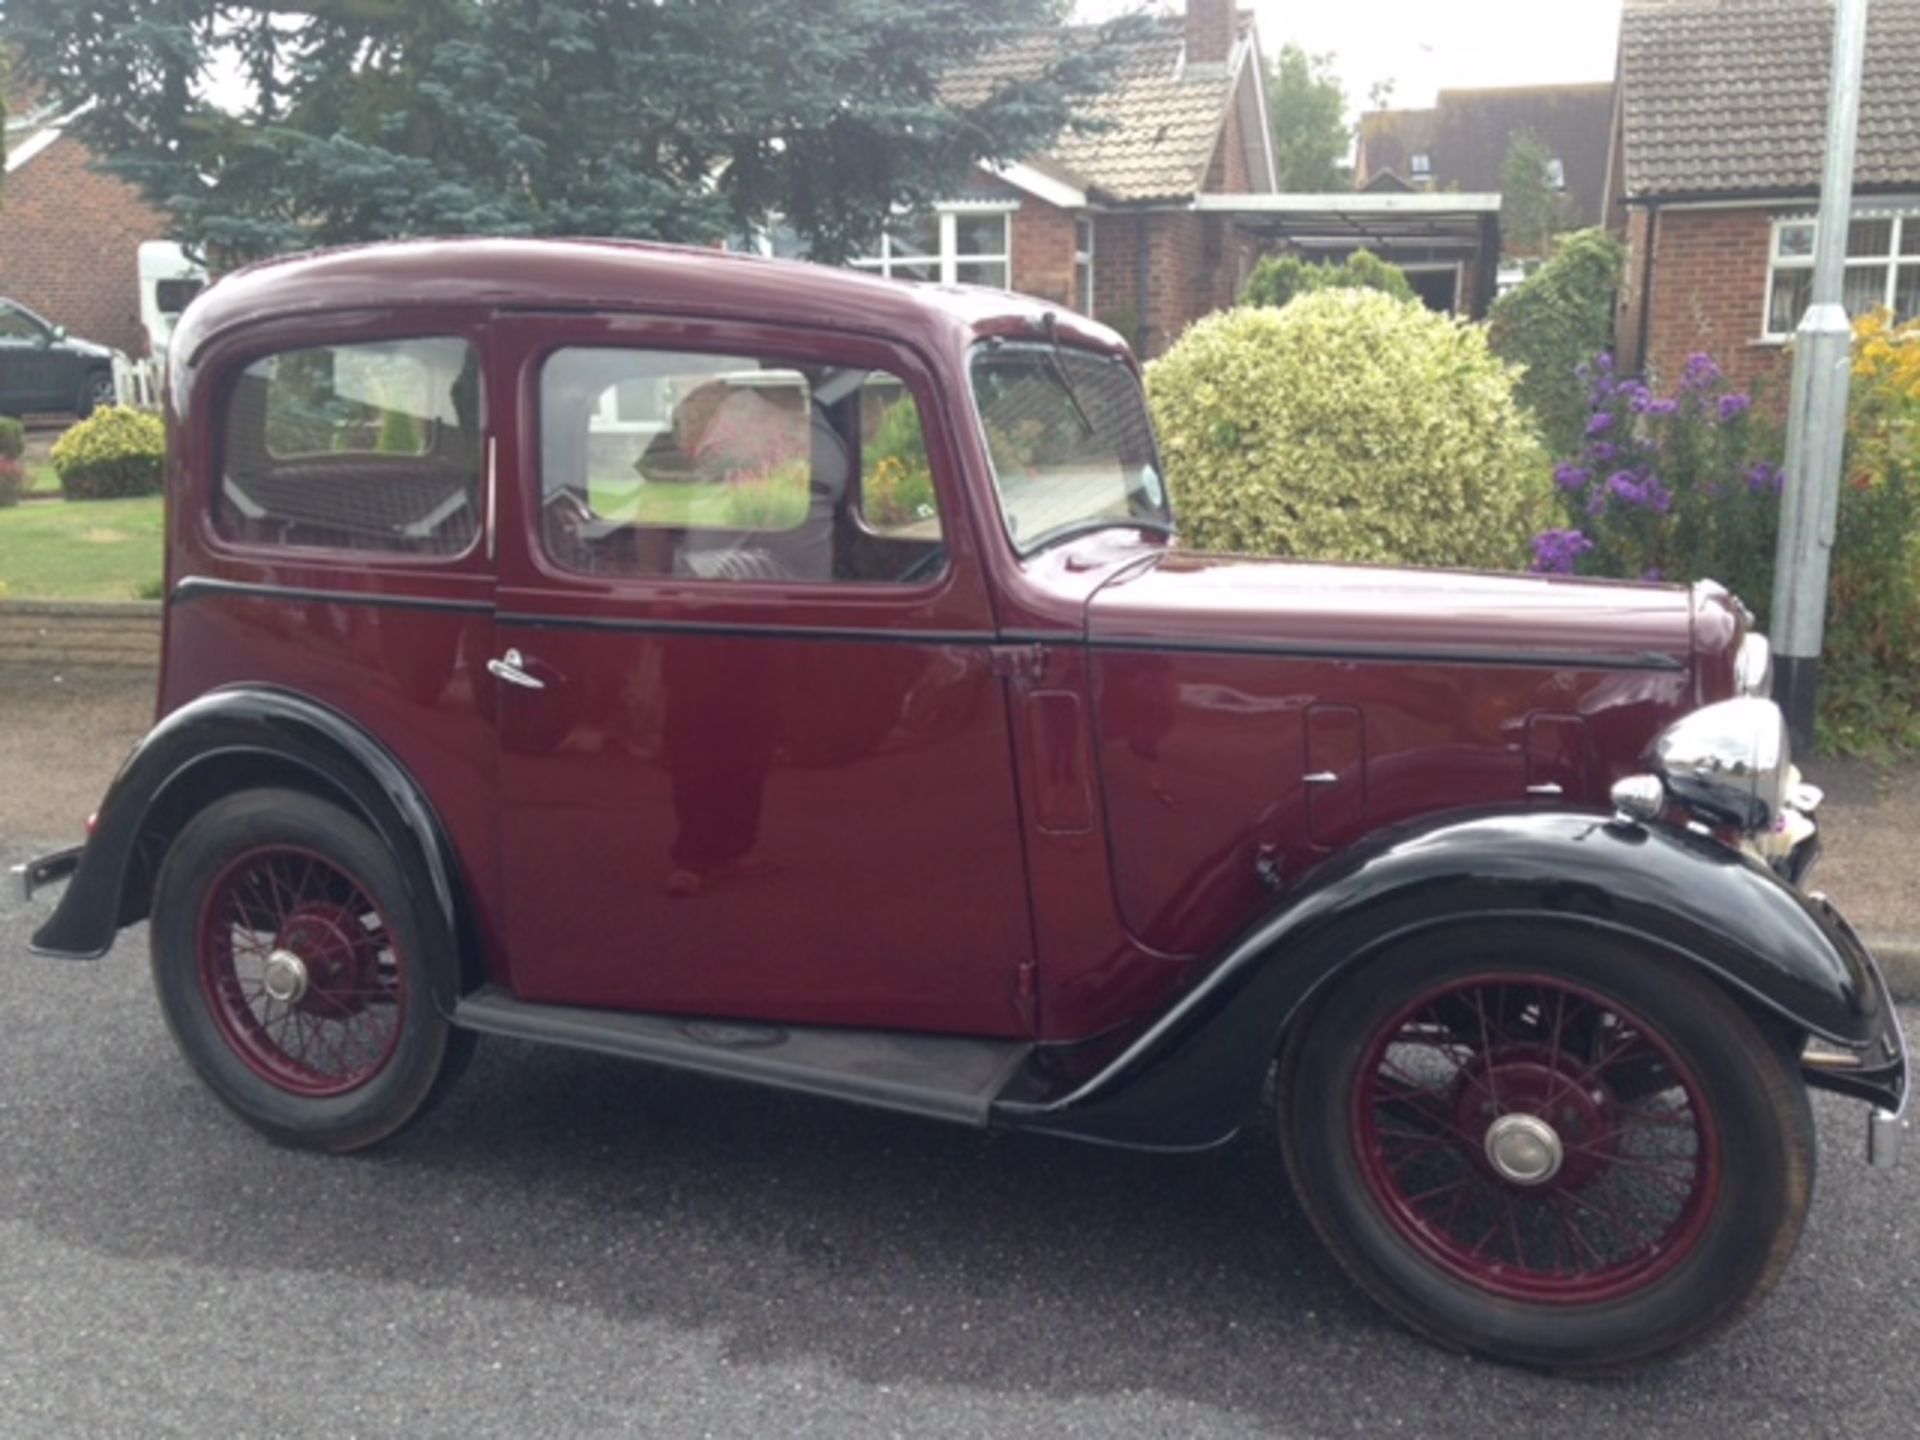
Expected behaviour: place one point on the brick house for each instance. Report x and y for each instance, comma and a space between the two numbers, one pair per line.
1106, 222
1462, 143
1719, 141
69, 235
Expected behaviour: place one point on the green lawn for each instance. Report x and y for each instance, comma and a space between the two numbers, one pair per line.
87, 550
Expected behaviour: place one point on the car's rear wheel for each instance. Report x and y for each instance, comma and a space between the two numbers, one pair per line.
1547, 1147
291, 968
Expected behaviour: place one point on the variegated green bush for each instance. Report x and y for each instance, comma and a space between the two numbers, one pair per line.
1349, 426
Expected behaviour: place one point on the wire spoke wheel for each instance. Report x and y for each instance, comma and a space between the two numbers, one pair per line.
1535, 1139
1549, 1145
300, 971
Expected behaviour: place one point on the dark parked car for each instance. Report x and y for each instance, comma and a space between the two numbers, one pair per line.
43, 368
789, 676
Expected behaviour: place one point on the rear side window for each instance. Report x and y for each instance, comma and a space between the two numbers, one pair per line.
369, 447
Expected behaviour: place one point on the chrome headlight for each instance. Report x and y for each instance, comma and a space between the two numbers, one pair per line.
1753, 667
1731, 762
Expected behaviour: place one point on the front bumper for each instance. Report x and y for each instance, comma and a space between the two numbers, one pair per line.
47, 870
1881, 1071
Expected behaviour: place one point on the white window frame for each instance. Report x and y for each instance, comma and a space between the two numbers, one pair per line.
1083, 291
1906, 224
950, 260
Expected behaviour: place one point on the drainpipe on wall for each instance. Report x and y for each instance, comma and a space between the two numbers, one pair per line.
1643, 339
1143, 326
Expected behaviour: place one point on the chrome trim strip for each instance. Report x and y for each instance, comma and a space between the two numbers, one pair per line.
46, 870
493, 496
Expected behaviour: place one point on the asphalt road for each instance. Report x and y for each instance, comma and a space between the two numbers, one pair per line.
573, 1246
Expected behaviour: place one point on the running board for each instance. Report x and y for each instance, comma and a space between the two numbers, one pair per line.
944, 1077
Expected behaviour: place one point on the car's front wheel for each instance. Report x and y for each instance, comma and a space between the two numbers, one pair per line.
292, 970
1547, 1147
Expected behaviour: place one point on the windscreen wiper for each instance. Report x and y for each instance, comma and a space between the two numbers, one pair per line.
1049, 326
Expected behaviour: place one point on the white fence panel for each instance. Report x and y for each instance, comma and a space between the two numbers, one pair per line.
137, 383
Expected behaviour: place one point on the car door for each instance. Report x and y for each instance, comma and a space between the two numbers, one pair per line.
754, 754
26, 365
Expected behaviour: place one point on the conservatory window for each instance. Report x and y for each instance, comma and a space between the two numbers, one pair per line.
962, 245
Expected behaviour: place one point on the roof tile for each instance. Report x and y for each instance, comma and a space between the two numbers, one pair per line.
1730, 96
1148, 137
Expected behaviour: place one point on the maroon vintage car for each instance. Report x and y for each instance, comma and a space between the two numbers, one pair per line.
789, 676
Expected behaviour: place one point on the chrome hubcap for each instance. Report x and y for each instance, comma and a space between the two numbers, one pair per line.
285, 977
1524, 1149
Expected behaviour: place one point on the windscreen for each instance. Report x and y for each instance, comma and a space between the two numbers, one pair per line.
1071, 444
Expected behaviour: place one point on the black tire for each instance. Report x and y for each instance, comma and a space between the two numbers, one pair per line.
96, 389
312, 1096
1739, 1228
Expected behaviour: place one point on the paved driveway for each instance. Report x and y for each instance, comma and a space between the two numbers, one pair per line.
573, 1246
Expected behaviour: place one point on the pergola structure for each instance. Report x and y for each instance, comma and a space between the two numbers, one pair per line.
1448, 244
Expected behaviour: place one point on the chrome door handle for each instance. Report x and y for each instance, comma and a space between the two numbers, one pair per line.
507, 668
1548, 791
1320, 777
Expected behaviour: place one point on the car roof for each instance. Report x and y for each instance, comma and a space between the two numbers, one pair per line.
588, 274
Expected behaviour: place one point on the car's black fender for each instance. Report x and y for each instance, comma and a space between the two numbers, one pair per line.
1192, 1076
230, 739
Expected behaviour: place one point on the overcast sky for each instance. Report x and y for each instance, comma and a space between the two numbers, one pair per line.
1424, 45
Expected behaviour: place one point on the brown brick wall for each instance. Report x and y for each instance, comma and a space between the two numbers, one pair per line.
1210, 31
68, 243
1043, 251
1227, 172
1113, 271
1195, 263
1195, 270
1709, 293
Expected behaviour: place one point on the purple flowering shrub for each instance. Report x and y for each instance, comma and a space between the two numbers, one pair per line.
1672, 486
1686, 486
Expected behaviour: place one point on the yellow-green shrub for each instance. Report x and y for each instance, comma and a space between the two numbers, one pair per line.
115, 451
1348, 426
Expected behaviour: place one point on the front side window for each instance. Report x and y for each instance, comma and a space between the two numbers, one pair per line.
952, 247
1882, 272
657, 463
1071, 445
364, 447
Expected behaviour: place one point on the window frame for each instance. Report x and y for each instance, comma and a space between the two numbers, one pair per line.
947, 215
1904, 227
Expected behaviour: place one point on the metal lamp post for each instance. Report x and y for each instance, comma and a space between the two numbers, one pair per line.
1817, 417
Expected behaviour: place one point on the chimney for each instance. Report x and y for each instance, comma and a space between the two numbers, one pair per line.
1210, 29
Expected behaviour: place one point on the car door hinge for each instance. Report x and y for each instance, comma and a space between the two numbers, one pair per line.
1019, 662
